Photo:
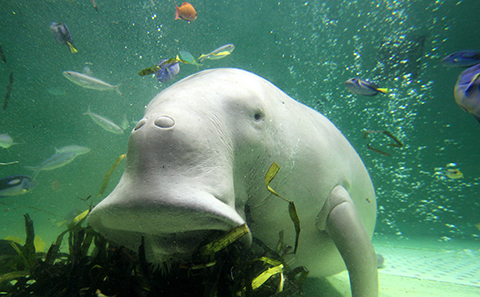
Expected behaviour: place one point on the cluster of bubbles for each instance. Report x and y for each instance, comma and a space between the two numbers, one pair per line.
394, 43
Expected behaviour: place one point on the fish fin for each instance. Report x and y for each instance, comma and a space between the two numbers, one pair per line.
365, 84
87, 71
470, 85
177, 11
73, 50
382, 90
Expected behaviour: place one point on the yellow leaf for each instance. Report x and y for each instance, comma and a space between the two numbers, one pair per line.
264, 276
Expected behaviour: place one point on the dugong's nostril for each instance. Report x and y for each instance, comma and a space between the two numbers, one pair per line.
140, 124
164, 122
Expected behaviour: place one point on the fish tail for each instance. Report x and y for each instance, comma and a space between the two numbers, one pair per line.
177, 11
73, 50
382, 90
34, 176
36, 170
201, 58
117, 89
177, 59
31, 168
88, 112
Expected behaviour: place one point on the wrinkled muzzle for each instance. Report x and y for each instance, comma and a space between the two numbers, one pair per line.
173, 221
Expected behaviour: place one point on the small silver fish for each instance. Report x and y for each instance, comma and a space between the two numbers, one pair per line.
104, 122
89, 82
80, 150
16, 185
57, 160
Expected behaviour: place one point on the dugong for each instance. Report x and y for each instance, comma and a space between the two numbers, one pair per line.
197, 161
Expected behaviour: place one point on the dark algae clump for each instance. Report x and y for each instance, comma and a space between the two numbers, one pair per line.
95, 267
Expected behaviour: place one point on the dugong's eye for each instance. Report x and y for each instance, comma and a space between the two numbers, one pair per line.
259, 115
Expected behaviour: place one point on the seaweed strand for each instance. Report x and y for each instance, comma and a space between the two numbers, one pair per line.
10, 83
9, 91
271, 173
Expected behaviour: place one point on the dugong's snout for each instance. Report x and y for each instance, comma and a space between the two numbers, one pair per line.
177, 190
173, 225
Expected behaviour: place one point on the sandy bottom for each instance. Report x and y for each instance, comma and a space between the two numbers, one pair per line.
420, 267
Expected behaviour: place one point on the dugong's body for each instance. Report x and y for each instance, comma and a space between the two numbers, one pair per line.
198, 158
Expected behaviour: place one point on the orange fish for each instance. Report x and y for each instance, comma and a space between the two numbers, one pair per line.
185, 12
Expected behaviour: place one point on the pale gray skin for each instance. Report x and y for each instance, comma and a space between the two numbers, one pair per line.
199, 156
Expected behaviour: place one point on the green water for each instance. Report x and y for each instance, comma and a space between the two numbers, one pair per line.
306, 48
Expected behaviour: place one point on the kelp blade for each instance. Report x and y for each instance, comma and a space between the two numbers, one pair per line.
296, 221
270, 261
147, 71
222, 242
264, 276
397, 143
28, 249
2, 55
378, 151
9, 91
271, 173
78, 220
109, 173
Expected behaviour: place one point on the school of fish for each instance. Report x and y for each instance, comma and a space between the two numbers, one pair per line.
164, 71
466, 94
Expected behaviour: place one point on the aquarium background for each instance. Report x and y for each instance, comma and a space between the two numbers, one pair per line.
306, 48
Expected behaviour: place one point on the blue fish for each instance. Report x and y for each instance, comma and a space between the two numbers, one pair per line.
467, 91
16, 185
62, 34
167, 70
363, 87
465, 58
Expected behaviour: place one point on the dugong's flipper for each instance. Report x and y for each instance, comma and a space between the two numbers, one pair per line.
340, 219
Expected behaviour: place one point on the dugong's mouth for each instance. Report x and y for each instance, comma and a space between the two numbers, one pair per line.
179, 246
163, 247
171, 228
